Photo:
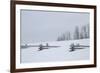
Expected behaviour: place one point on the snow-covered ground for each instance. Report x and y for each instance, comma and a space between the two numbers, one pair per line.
61, 53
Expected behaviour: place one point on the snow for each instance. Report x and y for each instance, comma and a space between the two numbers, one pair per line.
61, 53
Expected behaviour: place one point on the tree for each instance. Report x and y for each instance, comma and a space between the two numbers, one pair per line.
68, 36
84, 33
58, 39
88, 31
81, 35
76, 33
64, 36
61, 38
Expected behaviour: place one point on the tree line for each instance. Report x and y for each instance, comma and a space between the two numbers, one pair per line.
81, 33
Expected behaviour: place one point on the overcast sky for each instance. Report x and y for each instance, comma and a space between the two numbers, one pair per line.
39, 26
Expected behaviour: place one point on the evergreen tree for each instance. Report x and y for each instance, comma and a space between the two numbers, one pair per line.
76, 33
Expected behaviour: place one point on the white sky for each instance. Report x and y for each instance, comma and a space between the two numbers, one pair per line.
39, 26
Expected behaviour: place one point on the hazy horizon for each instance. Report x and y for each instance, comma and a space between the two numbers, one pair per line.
39, 26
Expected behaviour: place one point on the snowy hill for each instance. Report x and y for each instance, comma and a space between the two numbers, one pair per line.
61, 53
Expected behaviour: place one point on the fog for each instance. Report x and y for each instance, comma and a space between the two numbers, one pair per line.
39, 26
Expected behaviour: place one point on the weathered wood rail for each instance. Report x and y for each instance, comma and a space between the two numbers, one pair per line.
74, 47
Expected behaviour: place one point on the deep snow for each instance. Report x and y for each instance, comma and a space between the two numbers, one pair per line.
61, 53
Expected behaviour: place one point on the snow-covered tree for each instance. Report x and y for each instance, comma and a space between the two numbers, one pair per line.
64, 36
88, 31
68, 36
76, 33
81, 33
84, 32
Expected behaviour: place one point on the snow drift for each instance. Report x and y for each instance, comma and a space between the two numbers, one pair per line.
61, 53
